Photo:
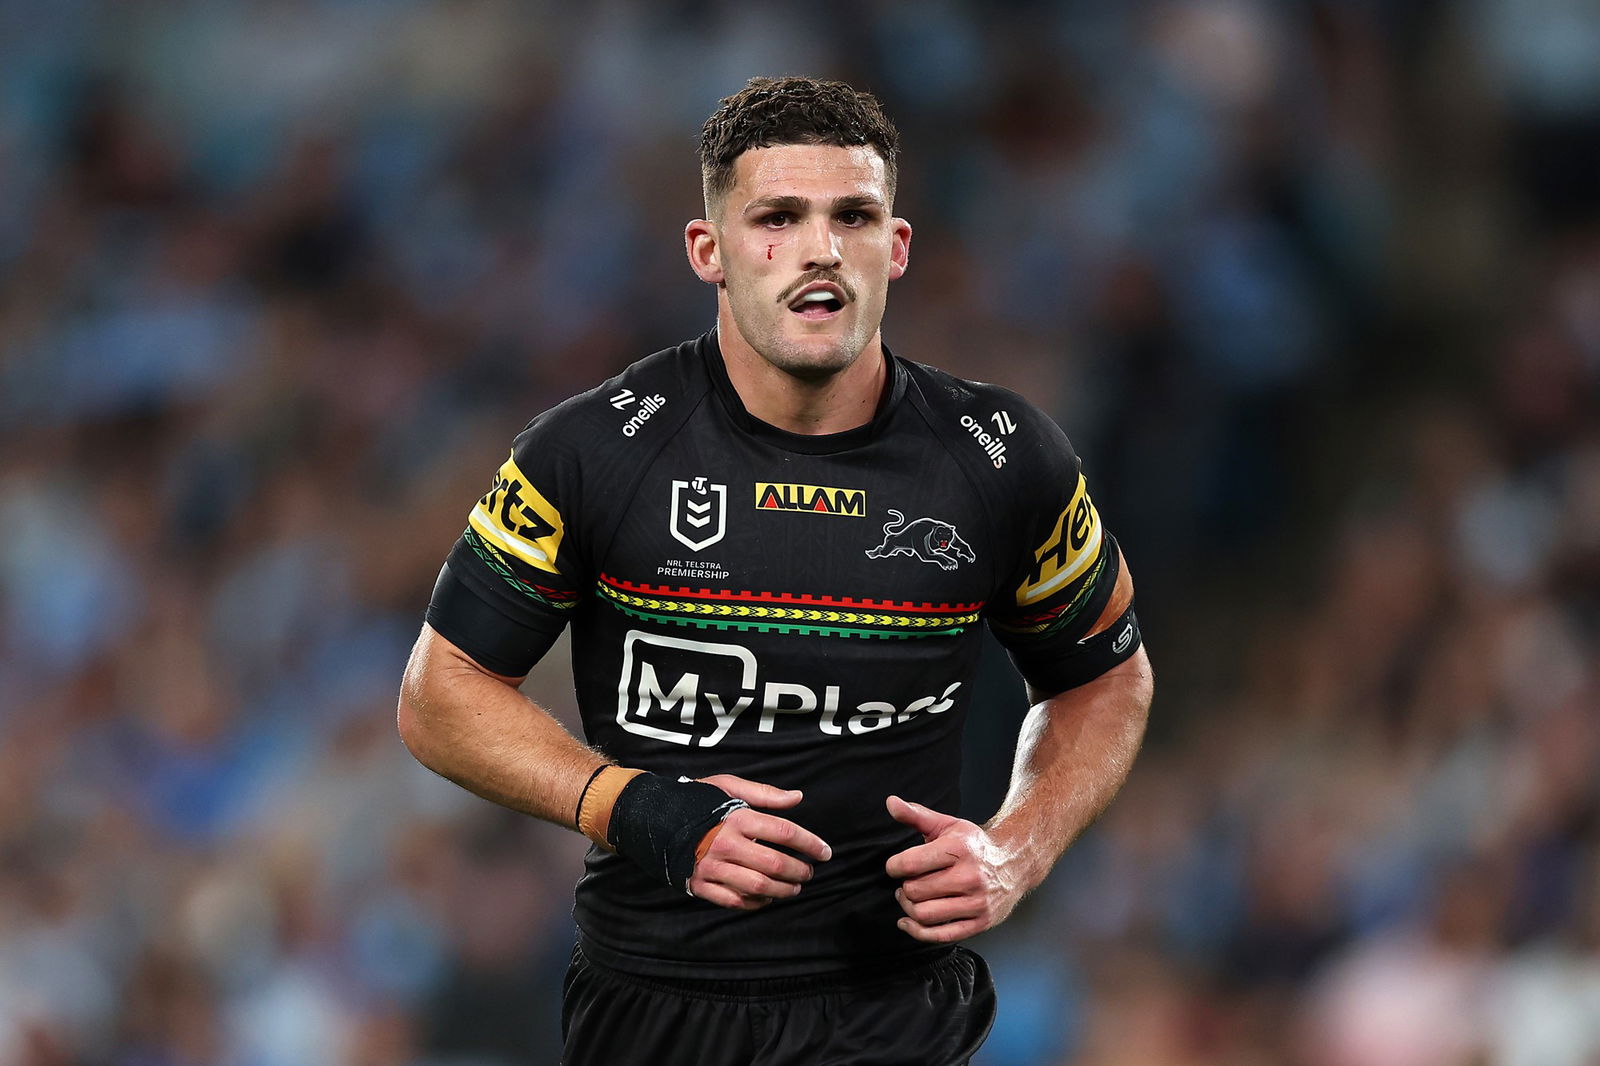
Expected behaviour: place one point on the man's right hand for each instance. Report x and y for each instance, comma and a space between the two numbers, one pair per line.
738, 870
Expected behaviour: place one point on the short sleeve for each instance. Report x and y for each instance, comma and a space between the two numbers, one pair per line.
1065, 613
513, 578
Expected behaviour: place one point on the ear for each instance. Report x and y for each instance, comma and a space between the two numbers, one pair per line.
900, 247
704, 250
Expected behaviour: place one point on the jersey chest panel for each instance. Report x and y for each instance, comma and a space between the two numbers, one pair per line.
756, 602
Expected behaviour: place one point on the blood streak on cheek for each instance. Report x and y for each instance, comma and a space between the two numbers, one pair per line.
769, 252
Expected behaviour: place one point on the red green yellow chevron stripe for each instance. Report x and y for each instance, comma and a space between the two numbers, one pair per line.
787, 612
558, 598
1059, 616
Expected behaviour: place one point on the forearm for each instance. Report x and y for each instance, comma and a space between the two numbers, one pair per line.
1073, 753
482, 733
478, 730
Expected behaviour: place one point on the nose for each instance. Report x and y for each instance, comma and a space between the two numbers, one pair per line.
822, 247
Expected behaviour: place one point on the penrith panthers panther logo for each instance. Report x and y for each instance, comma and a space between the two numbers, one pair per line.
928, 539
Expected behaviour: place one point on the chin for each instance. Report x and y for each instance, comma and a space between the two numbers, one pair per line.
813, 358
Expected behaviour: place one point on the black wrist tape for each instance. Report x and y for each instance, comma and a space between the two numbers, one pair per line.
658, 822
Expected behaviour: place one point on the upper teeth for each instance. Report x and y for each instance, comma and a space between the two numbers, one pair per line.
816, 296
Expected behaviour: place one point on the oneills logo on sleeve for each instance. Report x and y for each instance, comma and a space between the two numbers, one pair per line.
515, 518
1072, 547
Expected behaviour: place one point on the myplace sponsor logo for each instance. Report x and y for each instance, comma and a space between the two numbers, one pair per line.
694, 692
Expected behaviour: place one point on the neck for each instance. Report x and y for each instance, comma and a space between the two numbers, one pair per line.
832, 404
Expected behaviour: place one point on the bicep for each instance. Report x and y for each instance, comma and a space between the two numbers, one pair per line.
438, 680
440, 656
483, 630
1133, 677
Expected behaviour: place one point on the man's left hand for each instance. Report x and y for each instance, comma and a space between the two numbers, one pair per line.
954, 884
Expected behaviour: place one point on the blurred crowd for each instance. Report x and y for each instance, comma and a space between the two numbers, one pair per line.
1314, 286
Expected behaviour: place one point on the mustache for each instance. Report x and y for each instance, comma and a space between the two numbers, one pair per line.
832, 277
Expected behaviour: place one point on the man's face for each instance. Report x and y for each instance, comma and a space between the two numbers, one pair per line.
804, 247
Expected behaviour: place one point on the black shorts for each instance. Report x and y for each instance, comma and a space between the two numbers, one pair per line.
935, 1015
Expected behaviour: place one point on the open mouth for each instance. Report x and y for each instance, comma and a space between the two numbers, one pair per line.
817, 303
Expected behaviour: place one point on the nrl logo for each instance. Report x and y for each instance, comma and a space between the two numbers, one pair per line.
927, 539
699, 513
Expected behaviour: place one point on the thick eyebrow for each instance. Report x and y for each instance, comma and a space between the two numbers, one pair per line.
860, 202
799, 204
796, 204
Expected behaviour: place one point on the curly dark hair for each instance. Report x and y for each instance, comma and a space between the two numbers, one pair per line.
769, 111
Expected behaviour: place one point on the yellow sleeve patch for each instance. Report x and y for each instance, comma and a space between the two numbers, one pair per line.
514, 517
1072, 547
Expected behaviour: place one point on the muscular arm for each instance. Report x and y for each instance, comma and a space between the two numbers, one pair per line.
1073, 753
475, 728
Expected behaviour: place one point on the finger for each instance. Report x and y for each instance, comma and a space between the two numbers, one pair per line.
941, 911
756, 793
947, 933
774, 830
738, 851
747, 882
922, 859
925, 820
726, 897
958, 880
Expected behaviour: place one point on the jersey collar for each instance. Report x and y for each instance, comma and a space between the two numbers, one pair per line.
805, 443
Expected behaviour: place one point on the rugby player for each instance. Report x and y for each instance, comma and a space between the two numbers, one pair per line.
777, 545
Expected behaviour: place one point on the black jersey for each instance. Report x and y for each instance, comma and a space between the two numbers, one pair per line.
799, 610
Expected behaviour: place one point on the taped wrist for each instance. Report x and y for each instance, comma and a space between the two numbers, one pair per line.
659, 823
599, 796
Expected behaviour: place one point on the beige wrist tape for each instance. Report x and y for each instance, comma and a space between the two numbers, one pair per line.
594, 806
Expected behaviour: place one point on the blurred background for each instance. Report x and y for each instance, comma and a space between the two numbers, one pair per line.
1313, 285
